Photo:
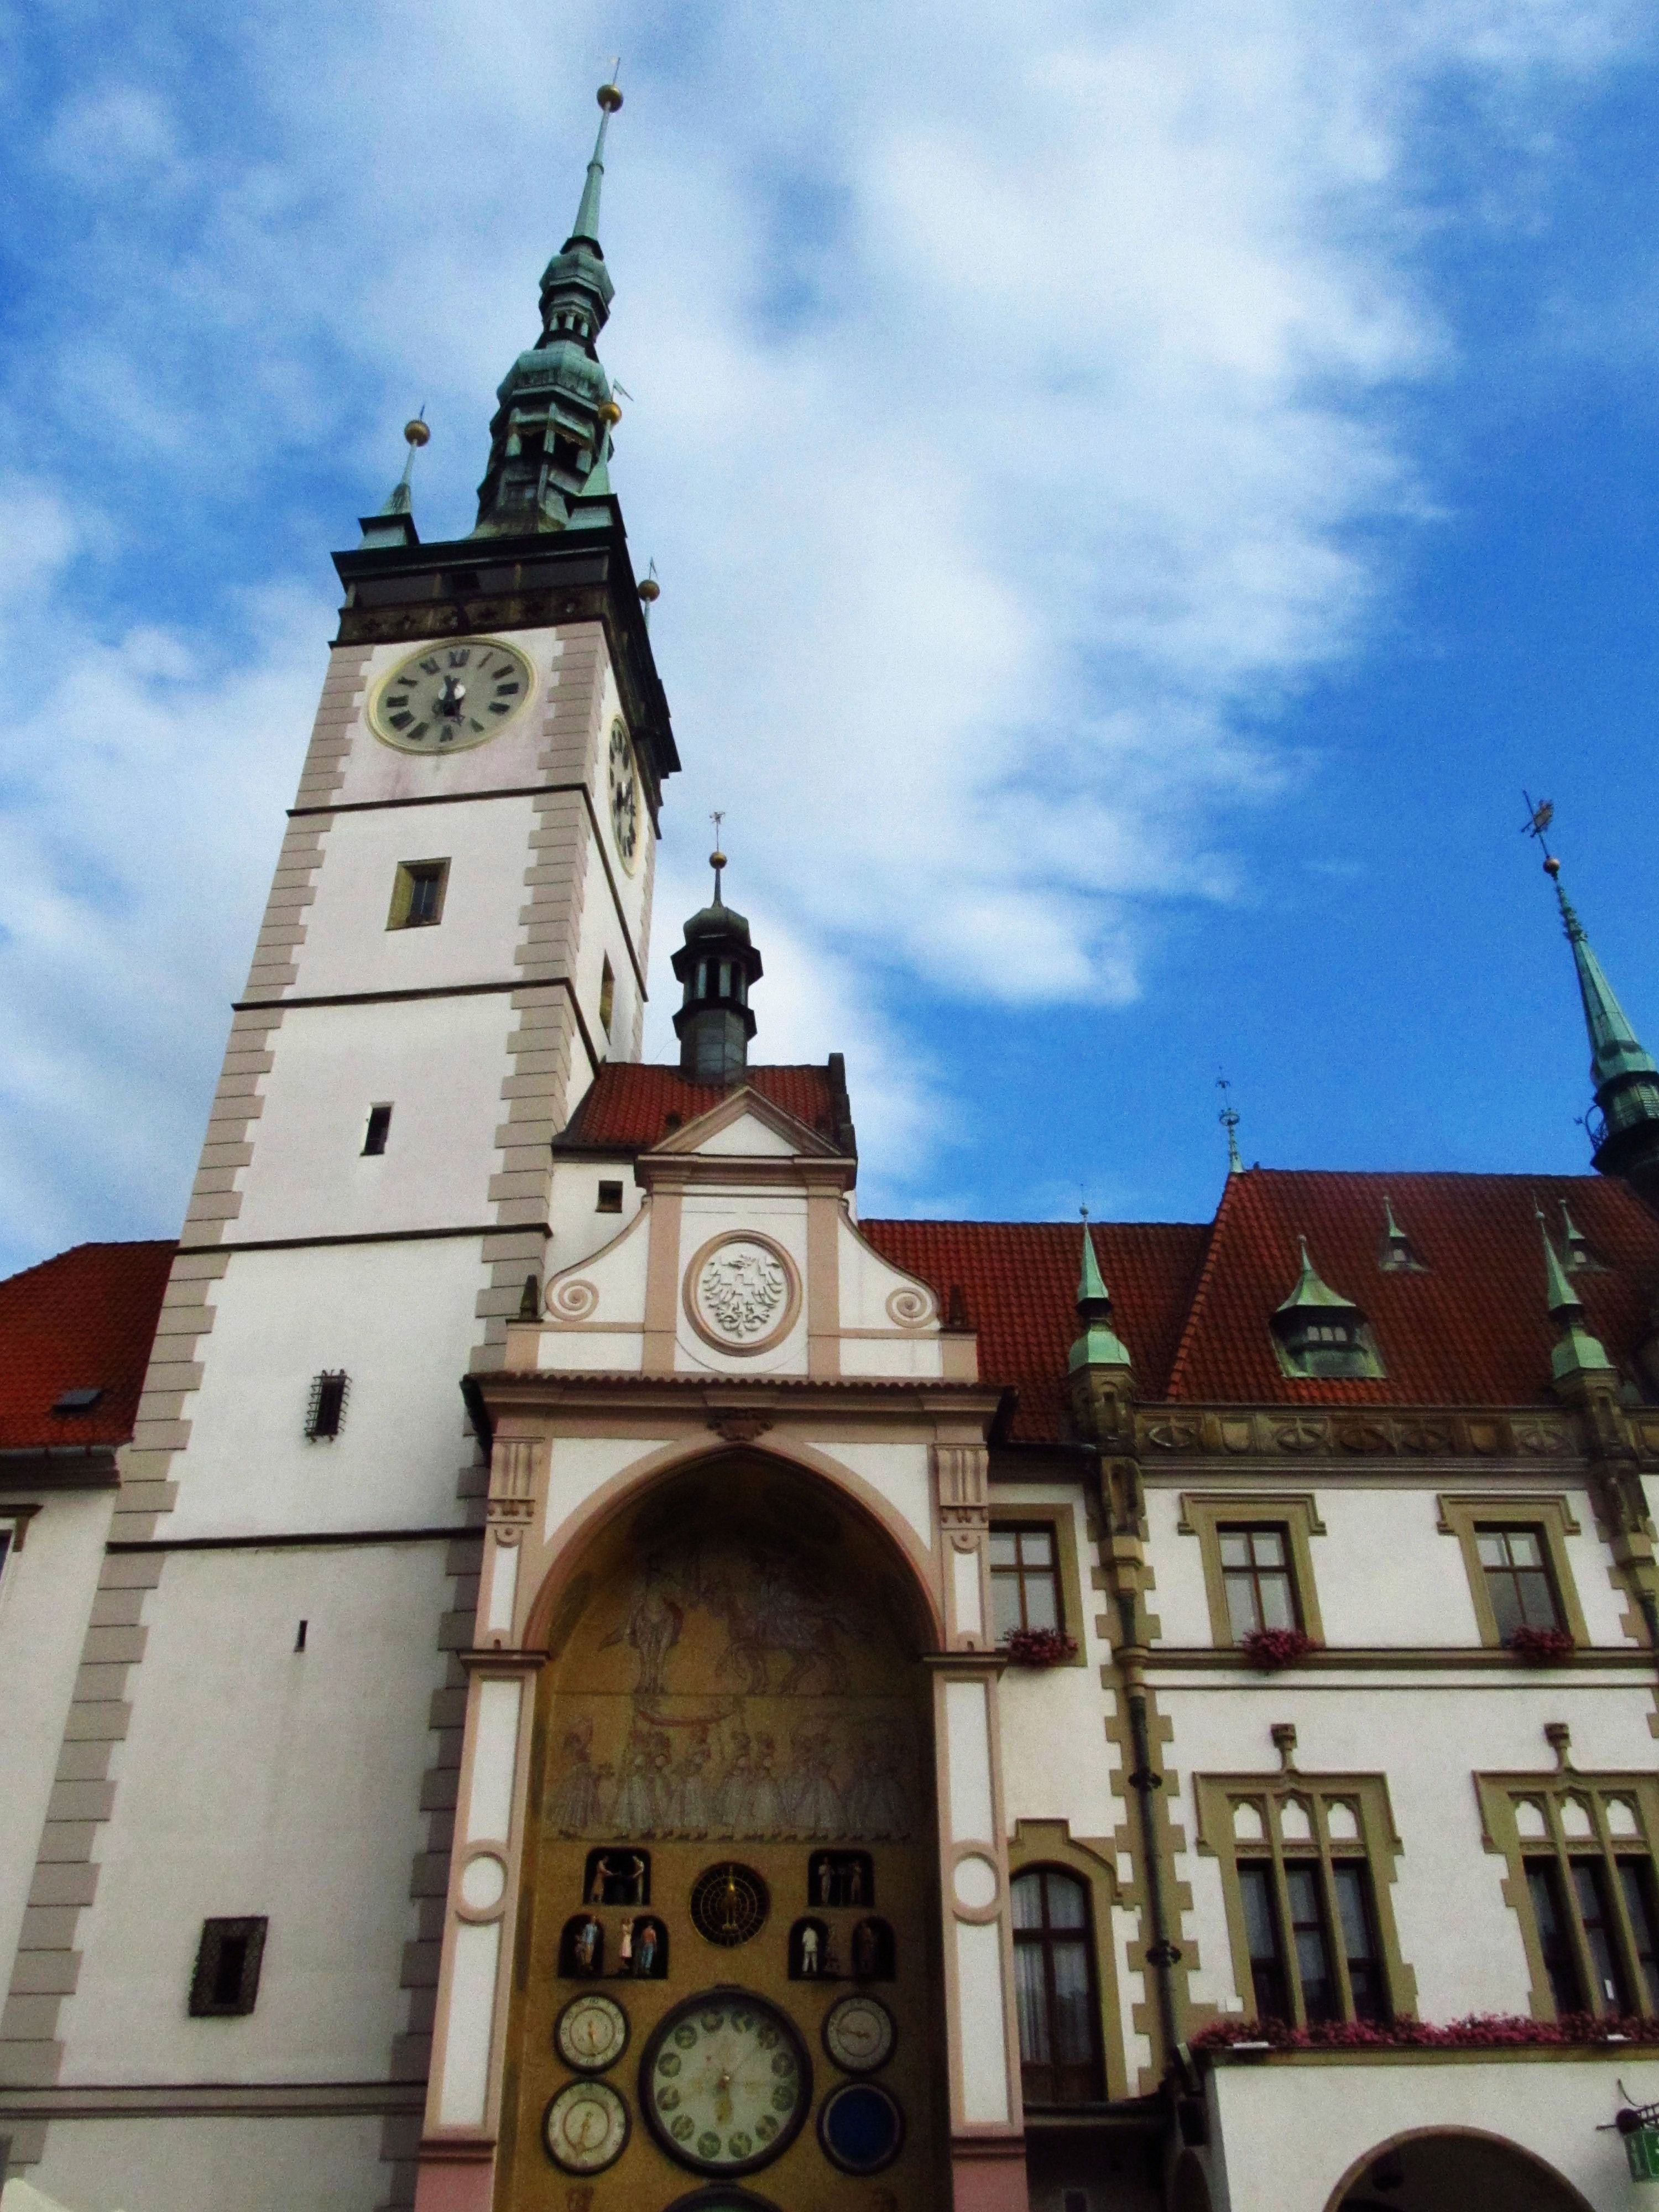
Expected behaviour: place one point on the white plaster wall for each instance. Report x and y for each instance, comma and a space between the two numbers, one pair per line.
348, 945
605, 936
398, 1318
1429, 1738
308, 2164
46, 1591
899, 1472
578, 1228
916, 1356
748, 1138
257, 1779
779, 1214
439, 1063
633, 891
1333, 2114
867, 1281
1385, 1573
608, 1332
580, 1465
1056, 1762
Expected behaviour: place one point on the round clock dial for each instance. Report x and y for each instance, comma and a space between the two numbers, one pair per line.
861, 2127
591, 2033
859, 2033
451, 695
584, 2127
725, 2082
623, 776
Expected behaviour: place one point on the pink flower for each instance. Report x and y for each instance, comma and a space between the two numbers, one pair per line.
1541, 1647
1040, 1647
1270, 1648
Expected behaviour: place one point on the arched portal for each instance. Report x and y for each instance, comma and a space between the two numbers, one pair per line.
729, 1909
1453, 2170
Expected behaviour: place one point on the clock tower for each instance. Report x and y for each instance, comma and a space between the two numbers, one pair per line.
263, 1749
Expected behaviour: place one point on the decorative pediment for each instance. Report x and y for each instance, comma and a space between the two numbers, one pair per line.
745, 1125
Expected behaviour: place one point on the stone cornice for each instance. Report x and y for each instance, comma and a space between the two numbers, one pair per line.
734, 1398
1347, 1433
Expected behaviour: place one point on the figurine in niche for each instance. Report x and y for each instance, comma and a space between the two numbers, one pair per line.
852, 1887
831, 1969
590, 1939
645, 1950
618, 1878
826, 1882
809, 1953
873, 1951
625, 1948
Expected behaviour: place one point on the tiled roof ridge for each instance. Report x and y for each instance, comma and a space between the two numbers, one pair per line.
1205, 1277
92, 1244
1014, 1221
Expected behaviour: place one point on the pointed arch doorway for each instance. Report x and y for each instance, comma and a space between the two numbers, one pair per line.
727, 1955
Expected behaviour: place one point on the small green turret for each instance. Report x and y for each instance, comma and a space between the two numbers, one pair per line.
1100, 1373
1578, 1354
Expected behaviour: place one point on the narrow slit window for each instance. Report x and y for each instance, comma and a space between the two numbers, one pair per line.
1312, 1940
1554, 1940
325, 1412
609, 1199
1270, 1986
379, 1129
417, 894
1589, 1886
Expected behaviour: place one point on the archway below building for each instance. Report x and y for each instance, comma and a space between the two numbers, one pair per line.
730, 1862
1454, 2170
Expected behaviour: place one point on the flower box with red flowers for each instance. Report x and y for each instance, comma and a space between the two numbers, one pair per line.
1040, 1647
1476, 2032
1270, 1648
1541, 1647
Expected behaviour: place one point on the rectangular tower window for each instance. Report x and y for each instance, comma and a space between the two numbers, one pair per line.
325, 1414
226, 1981
379, 1126
611, 1197
417, 894
607, 997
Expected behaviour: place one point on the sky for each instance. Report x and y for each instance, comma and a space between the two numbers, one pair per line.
1139, 488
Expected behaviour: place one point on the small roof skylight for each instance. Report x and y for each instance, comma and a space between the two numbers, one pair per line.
80, 1401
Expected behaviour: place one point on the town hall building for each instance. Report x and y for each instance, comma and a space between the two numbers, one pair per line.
551, 1666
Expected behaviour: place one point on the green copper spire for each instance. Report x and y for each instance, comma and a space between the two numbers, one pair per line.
1625, 1076
1578, 1351
1098, 1344
1310, 1288
549, 442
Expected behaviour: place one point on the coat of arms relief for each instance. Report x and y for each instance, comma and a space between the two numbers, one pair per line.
741, 1293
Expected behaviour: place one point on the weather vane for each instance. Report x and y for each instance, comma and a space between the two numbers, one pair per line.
1228, 1118
1539, 819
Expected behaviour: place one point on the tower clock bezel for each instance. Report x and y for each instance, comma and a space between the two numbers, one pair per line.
380, 724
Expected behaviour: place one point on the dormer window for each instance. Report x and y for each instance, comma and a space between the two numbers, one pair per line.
1397, 1255
1575, 1248
1319, 1335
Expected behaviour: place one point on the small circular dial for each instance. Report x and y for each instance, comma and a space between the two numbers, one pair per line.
591, 2033
859, 2033
584, 2127
450, 695
725, 2082
624, 775
729, 1903
861, 2127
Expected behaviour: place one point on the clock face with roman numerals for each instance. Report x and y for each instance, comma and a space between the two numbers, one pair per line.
450, 695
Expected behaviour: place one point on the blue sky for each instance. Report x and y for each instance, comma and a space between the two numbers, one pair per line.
1138, 488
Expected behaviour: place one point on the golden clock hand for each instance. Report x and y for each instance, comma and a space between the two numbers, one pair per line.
723, 2099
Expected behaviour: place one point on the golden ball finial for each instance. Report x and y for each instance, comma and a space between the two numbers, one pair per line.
650, 591
417, 432
609, 97
609, 413
717, 858
1551, 866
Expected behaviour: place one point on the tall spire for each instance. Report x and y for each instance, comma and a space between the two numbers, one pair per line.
1624, 1074
549, 442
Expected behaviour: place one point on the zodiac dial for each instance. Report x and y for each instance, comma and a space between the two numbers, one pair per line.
726, 2083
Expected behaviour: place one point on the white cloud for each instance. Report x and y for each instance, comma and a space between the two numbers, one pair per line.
1017, 423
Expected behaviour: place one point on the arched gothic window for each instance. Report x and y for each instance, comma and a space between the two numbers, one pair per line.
1054, 1982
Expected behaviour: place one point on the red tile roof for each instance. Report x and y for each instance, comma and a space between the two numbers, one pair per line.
1472, 1330
82, 1320
1019, 1281
630, 1104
